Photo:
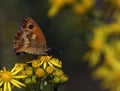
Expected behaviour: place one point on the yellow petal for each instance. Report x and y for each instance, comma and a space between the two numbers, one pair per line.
4, 69
50, 64
41, 62
30, 61
17, 71
13, 69
44, 65
94, 58
102, 72
5, 86
14, 83
53, 11
20, 76
56, 63
1, 82
17, 83
9, 86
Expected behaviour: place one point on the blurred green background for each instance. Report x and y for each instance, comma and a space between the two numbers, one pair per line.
65, 32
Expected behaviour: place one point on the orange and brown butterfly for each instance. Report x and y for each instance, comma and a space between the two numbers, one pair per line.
30, 39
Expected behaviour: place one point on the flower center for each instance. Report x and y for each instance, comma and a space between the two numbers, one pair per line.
6, 76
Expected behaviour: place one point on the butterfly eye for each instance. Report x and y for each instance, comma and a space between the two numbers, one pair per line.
31, 26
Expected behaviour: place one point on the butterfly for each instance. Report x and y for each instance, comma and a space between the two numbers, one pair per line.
30, 39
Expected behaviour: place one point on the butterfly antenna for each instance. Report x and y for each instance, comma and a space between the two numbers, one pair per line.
60, 52
53, 48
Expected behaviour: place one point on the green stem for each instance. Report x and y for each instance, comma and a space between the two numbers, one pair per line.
42, 85
49, 87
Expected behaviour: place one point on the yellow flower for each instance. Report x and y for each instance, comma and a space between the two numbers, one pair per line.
64, 78
49, 69
109, 73
44, 61
9, 78
56, 5
83, 6
93, 57
29, 71
40, 72
101, 39
79, 9
110, 77
58, 72
28, 80
59, 76
57, 79
35, 63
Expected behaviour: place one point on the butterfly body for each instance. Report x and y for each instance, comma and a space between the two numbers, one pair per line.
30, 38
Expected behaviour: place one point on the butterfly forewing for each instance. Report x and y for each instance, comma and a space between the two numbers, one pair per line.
30, 38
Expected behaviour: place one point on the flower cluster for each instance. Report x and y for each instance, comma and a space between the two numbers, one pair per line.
44, 70
104, 54
79, 7
109, 73
105, 36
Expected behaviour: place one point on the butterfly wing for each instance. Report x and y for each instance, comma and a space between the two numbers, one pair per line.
30, 39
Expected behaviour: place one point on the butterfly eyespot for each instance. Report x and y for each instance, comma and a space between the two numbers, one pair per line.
31, 26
